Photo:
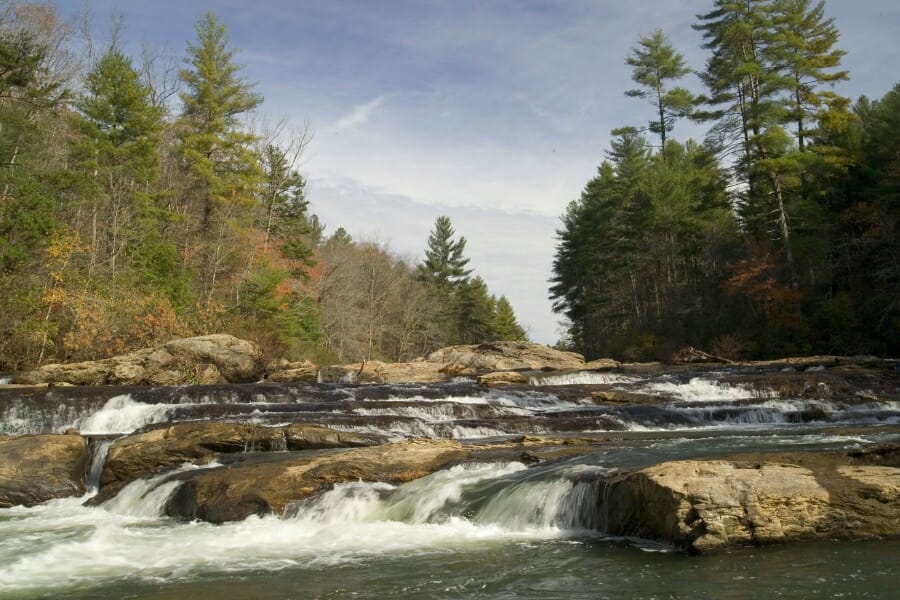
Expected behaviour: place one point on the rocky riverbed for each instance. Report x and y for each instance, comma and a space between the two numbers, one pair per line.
698, 458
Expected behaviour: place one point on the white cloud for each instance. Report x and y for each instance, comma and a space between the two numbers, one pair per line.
359, 115
512, 251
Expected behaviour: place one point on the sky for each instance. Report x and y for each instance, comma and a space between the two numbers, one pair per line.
495, 113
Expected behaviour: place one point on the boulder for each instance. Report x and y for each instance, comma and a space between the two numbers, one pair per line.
164, 448
237, 360
290, 372
501, 356
208, 359
272, 485
602, 364
37, 468
375, 371
499, 378
704, 505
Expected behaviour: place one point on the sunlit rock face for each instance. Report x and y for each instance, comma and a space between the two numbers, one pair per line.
704, 505
37, 468
208, 359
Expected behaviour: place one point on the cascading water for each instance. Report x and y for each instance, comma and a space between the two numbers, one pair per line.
97, 451
463, 529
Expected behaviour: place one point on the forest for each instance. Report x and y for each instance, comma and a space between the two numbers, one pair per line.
146, 198
776, 235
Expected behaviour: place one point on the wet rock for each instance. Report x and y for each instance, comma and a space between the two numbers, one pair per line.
613, 396
500, 378
500, 356
37, 468
236, 492
207, 359
705, 505
164, 448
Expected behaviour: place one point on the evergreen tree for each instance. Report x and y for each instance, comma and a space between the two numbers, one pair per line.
474, 318
505, 325
802, 47
445, 264
285, 219
215, 148
118, 154
655, 62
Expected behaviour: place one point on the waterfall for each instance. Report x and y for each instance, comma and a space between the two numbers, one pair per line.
508, 496
97, 451
699, 389
121, 414
146, 498
581, 378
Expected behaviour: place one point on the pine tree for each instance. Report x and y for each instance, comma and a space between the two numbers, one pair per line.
445, 264
474, 314
746, 91
656, 62
505, 325
802, 47
121, 130
285, 219
215, 148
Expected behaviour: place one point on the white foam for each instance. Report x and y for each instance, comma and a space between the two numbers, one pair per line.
581, 378
71, 545
701, 389
121, 414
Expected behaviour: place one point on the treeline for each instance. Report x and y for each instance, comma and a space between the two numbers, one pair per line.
139, 202
777, 235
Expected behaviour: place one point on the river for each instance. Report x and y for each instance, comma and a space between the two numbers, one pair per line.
482, 529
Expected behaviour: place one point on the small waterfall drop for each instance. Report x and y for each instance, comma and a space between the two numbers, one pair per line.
98, 449
700, 389
508, 496
121, 414
581, 378
146, 498
567, 500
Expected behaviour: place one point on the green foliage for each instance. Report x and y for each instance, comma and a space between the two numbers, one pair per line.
465, 311
776, 236
445, 265
212, 141
474, 313
504, 324
655, 62
285, 218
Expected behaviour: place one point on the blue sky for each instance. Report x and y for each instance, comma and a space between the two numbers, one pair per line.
494, 112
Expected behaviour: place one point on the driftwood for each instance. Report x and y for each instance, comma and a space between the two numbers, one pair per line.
692, 355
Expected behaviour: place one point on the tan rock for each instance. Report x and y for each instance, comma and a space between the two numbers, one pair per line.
708, 504
293, 371
374, 371
237, 360
602, 364
234, 493
215, 358
500, 378
158, 450
884, 482
498, 356
37, 468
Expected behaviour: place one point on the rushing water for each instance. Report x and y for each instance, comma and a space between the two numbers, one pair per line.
483, 529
